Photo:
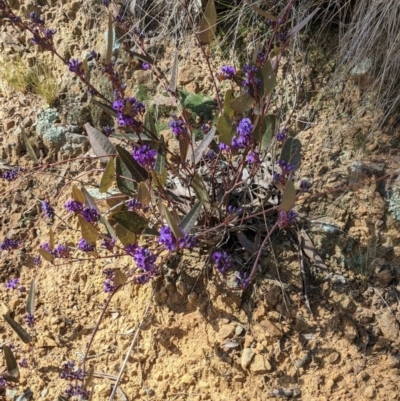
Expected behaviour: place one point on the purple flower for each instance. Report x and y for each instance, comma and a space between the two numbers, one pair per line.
253, 158
210, 155
133, 204
12, 284
105, 2
35, 19
228, 72
277, 177
48, 210
90, 214
60, 251
109, 285
73, 206
145, 156
186, 242
46, 246
223, 262
127, 109
260, 58
37, 261
251, 79
108, 243
11, 175
177, 126
145, 66
234, 210
77, 390
281, 135
285, 166
70, 372
223, 147
29, 320
9, 244
287, 218
145, 259
131, 249
108, 131
305, 185
167, 238
84, 246
75, 66
242, 280
243, 134
2, 382
205, 128
23, 363
49, 33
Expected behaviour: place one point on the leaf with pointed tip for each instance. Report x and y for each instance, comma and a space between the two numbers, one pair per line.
188, 222
28, 146
208, 23
269, 78
301, 24
174, 73
12, 365
125, 236
46, 255
119, 277
310, 250
143, 194
150, 232
88, 231
201, 190
51, 236
130, 220
142, 57
183, 148
78, 195
21, 332
124, 178
225, 129
149, 124
30, 302
203, 146
241, 103
291, 152
137, 172
9, 378
105, 107
110, 39
227, 100
100, 144
172, 223
264, 13
288, 197
108, 176
266, 131
159, 166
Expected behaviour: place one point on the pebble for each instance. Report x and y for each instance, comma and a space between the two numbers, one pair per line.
370, 392
260, 365
247, 356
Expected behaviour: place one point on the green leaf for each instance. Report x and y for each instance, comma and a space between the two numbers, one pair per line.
267, 131
208, 23
12, 365
288, 197
110, 39
105, 107
77, 194
269, 78
21, 332
189, 220
172, 223
227, 100
100, 144
225, 129
30, 302
149, 123
124, 178
241, 103
183, 148
89, 231
125, 236
130, 220
201, 190
264, 13
28, 146
143, 194
46, 255
119, 277
150, 232
291, 152
203, 146
174, 73
160, 161
108, 176
51, 241
137, 172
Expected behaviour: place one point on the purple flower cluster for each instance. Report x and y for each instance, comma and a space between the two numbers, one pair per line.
37, 261
228, 72
127, 109
145, 261
8, 244
167, 238
131, 249
2, 382
48, 210
205, 128
12, 284
243, 134
287, 218
90, 214
84, 246
109, 285
69, 372
29, 320
242, 280
261, 57
286, 167
73, 206
145, 156
46, 246
105, 2
11, 175
223, 147
305, 185
77, 390
146, 66
75, 66
108, 243
281, 135
223, 262
177, 126
253, 158
108, 131
23, 363
133, 204
251, 80
35, 18
234, 210
60, 251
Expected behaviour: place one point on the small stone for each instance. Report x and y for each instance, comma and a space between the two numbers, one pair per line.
226, 331
388, 325
333, 357
239, 330
187, 379
370, 392
4, 309
45, 342
247, 356
76, 138
260, 365
271, 330
384, 277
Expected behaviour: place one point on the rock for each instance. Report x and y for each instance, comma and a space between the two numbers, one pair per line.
388, 326
333, 357
76, 138
4, 309
384, 277
347, 304
187, 379
247, 356
274, 295
370, 392
44, 342
226, 331
270, 329
260, 365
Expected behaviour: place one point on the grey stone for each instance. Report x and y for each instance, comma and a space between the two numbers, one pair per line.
76, 138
